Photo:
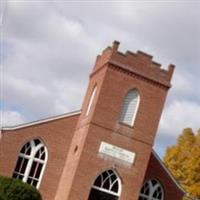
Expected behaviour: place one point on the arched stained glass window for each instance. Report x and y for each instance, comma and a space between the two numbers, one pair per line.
151, 190
31, 162
129, 108
106, 186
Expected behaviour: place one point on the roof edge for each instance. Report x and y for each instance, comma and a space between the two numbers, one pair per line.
41, 121
167, 171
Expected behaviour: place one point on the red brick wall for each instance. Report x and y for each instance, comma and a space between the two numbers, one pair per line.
92, 163
56, 135
113, 81
80, 135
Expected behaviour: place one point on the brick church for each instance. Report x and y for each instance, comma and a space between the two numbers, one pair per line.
104, 151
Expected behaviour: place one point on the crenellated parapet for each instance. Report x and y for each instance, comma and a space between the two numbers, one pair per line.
138, 64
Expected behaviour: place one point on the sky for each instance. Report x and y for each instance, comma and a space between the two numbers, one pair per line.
48, 49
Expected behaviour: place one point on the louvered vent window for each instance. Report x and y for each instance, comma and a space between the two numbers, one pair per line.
91, 101
130, 106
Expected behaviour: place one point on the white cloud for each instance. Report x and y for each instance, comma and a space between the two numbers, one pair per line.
185, 87
179, 115
10, 118
176, 116
50, 48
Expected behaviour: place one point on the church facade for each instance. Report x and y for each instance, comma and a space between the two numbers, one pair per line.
104, 151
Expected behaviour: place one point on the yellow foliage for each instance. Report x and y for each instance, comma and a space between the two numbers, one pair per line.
183, 160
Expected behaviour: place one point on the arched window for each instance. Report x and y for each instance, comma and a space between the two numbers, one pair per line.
129, 108
91, 101
31, 162
107, 186
151, 190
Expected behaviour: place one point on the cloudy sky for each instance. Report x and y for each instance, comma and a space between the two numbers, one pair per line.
48, 48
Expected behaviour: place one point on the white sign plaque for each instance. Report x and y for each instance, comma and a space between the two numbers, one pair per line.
117, 152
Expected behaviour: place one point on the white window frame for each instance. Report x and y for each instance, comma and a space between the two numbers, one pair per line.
31, 158
135, 111
152, 189
108, 191
91, 100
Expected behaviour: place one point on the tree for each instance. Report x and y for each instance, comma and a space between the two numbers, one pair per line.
13, 189
183, 160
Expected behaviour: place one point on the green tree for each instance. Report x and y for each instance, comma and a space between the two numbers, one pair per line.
183, 160
13, 189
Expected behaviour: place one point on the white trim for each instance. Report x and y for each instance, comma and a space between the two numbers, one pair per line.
167, 171
91, 101
136, 109
123, 115
152, 188
105, 190
30, 161
109, 191
49, 119
43, 167
31, 158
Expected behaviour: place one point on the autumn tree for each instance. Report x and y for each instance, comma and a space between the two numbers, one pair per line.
183, 160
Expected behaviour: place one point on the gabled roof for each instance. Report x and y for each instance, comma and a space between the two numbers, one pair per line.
49, 119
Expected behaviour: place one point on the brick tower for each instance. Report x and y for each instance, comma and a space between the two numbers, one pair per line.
109, 138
